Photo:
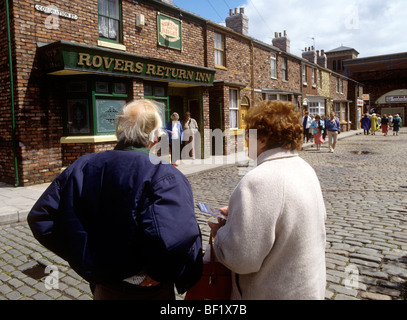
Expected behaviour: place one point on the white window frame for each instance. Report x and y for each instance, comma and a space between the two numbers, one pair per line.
233, 107
304, 75
273, 65
219, 47
316, 108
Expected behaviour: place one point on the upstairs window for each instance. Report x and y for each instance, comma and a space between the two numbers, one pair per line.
219, 50
110, 24
284, 68
273, 66
304, 75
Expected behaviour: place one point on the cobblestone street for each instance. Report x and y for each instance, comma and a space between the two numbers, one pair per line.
364, 185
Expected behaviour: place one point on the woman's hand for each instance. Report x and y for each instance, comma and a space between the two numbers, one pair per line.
221, 222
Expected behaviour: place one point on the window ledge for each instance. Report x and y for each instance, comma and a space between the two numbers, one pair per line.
111, 45
217, 66
88, 139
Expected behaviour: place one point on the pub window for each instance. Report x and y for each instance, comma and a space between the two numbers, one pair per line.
92, 105
273, 66
219, 50
233, 109
110, 24
159, 93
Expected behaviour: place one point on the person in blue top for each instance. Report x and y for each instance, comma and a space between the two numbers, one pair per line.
334, 128
123, 219
318, 127
396, 125
175, 133
365, 122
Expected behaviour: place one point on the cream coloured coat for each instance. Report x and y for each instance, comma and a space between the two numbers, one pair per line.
274, 238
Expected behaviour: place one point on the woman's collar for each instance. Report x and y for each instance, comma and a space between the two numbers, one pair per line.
274, 154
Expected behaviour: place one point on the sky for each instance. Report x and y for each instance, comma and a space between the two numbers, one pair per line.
371, 27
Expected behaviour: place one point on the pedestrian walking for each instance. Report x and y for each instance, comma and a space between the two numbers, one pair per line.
323, 118
333, 127
384, 125
125, 223
190, 129
365, 123
374, 126
306, 125
390, 122
274, 237
318, 128
396, 125
175, 132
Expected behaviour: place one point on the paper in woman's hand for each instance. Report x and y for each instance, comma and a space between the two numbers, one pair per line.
210, 210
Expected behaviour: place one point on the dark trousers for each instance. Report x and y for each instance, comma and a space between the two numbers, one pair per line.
306, 134
126, 291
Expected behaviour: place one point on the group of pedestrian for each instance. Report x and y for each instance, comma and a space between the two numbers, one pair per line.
175, 130
374, 123
320, 128
127, 224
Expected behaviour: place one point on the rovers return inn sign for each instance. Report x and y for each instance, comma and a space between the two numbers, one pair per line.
63, 58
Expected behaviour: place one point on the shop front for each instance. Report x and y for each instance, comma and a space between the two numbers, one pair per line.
96, 83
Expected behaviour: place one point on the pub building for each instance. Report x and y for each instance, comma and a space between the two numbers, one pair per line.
69, 67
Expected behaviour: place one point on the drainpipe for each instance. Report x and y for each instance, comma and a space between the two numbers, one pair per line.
253, 88
13, 116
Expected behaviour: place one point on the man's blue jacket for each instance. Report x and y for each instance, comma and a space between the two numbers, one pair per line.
113, 214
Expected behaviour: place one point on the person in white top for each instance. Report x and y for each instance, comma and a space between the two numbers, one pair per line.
274, 237
190, 127
175, 132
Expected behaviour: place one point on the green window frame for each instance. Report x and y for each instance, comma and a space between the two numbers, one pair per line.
110, 20
158, 92
92, 105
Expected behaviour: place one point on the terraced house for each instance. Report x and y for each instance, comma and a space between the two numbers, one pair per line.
69, 67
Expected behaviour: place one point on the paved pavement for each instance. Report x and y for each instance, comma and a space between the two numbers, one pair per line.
364, 184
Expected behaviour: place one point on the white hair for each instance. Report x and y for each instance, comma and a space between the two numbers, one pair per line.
139, 123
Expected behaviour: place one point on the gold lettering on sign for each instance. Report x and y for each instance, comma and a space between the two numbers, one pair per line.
129, 66
84, 59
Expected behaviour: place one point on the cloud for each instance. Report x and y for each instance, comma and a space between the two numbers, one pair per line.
372, 27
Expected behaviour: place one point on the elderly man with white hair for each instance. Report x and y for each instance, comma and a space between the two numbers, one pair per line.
123, 222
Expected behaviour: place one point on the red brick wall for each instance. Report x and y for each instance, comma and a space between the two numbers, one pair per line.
39, 103
6, 153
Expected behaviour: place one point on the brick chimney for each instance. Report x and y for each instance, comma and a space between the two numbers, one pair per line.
238, 21
322, 59
310, 54
282, 41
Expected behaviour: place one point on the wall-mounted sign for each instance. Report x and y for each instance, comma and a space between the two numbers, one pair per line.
64, 57
396, 99
55, 11
169, 32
